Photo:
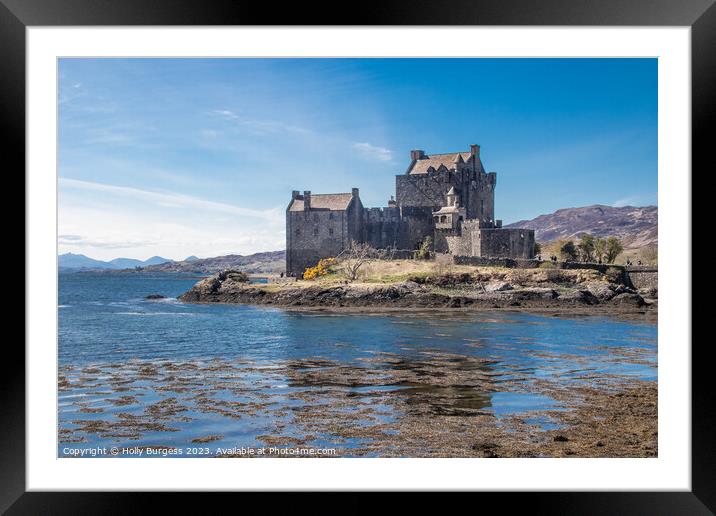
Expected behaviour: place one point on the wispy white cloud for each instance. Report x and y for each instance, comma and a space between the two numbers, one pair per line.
625, 201
109, 136
68, 95
373, 151
634, 200
259, 126
210, 133
173, 199
103, 243
98, 219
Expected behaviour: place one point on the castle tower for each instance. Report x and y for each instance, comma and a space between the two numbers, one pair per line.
448, 220
453, 199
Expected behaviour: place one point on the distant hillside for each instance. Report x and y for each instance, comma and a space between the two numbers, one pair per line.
80, 261
128, 263
258, 263
637, 227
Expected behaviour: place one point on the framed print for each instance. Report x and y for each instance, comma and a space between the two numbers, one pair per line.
441, 248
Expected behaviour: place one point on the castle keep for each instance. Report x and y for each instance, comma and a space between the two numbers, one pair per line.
448, 197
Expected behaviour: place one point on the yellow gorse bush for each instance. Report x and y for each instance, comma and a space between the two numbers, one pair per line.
321, 269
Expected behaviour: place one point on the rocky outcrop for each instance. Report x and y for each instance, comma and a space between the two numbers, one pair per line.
223, 288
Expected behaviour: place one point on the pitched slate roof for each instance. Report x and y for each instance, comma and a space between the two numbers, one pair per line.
336, 201
422, 165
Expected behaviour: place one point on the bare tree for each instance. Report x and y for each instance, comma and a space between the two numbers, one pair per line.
355, 256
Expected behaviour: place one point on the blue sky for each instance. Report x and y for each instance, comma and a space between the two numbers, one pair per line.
199, 156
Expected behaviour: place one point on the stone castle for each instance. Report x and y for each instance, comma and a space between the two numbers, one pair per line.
448, 197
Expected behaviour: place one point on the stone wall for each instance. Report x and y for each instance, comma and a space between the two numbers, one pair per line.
381, 227
513, 263
440, 236
416, 224
643, 278
421, 190
507, 243
476, 190
480, 261
355, 215
479, 197
493, 242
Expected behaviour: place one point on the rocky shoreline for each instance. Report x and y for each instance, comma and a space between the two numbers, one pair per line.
453, 293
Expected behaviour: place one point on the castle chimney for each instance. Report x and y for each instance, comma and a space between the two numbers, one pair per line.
391, 202
416, 155
295, 194
307, 199
354, 192
475, 150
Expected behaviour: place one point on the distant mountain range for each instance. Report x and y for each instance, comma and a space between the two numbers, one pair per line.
80, 261
636, 227
257, 263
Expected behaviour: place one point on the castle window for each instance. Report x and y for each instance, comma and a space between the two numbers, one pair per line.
443, 218
436, 218
315, 232
330, 231
298, 232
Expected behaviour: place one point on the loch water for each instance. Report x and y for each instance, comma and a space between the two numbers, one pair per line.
107, 327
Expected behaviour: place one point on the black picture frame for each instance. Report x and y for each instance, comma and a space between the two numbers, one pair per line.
17, 15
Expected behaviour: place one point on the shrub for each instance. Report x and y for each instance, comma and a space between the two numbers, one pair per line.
586, 247
520, 276
423, 252
613, 248
547, 265
320, 269
557, 276
600, 249
419, 278
568, 251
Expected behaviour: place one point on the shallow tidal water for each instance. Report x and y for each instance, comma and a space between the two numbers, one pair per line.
160, 375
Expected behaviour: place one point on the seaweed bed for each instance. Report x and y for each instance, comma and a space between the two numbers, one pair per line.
384, 405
